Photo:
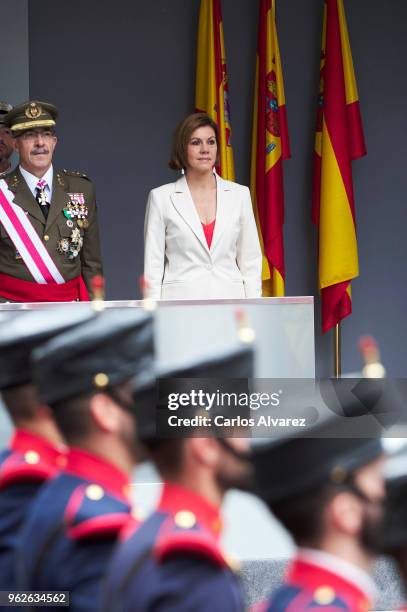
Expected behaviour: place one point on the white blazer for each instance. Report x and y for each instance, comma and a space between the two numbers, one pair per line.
178, 263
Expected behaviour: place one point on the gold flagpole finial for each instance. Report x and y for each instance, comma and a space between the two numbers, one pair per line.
148, 303
373, 368
98, 291
246, 331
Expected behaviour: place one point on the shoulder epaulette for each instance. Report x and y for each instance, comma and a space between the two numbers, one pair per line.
25, 468
293, 597
173, 541
76, 174
91, 512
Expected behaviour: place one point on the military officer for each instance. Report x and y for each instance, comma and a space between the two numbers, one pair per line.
84, 375
49, 246
6, 141
327, 492
37, 450
174, 561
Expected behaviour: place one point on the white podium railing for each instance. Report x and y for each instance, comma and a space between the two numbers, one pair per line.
284, 330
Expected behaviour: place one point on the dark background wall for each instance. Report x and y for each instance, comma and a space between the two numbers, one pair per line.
14, 65
122, 74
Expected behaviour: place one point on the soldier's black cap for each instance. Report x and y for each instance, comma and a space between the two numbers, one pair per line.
227, 370
393, 532
23, 332
31, 114
115, 346
289, 467
4, 109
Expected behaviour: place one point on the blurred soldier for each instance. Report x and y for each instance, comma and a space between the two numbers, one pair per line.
393, 534
328, 493
173, 562
49, 250
6, 141
37, 449
84, 375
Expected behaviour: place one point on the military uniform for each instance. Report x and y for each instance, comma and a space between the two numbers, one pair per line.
393, 533
69, 233
174, 561
31, 459
4, 109
72, 529
55, 229
74, 522
310, 585
315, 579
25, 466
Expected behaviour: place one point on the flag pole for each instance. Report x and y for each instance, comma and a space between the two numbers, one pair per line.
337, 351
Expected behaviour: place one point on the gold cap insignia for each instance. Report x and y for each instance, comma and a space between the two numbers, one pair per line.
31, 457
101, 380
185, 519
33, 110
324, 595
94, 492
338, 474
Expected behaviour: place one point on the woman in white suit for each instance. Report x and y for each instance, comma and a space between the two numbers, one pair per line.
200, 235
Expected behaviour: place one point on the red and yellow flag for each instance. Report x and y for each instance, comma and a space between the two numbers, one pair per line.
270, 145
211, 90
339, 139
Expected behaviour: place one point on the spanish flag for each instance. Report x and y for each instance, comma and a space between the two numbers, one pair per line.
270, 145
339, 139
211, 90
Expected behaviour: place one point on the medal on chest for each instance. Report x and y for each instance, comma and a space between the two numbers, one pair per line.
77, 209
74, 210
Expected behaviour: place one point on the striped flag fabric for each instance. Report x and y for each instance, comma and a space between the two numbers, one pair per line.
211, 89
339, 140
270, 146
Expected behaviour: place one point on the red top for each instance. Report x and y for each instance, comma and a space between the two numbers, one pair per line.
208, 229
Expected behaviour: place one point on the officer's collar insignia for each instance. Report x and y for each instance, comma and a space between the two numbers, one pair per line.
33, 110
61, 180
14, 181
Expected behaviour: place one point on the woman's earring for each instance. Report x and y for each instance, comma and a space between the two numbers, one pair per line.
182, 171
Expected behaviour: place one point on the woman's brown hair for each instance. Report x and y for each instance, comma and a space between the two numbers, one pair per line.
182, 135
